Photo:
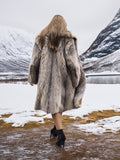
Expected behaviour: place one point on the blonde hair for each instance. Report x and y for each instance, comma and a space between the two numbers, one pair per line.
56, 29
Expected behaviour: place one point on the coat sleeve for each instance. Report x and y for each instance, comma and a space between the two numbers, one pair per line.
34, 65
80, 88
72, 62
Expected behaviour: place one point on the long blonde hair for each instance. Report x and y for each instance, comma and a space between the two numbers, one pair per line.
55, 30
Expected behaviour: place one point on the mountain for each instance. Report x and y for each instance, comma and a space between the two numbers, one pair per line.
15, 52
107, 42
111, 62
104, 53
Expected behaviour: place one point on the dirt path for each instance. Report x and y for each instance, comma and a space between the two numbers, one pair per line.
35, 144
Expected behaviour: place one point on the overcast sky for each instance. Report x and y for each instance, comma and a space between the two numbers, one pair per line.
85, 18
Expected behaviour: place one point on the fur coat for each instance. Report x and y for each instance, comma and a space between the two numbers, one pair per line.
59, 76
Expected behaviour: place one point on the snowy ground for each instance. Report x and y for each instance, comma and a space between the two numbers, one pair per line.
18, 99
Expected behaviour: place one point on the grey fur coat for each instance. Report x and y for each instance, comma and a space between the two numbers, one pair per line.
59, 76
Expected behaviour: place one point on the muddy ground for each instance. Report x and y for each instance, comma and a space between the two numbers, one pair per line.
35, 144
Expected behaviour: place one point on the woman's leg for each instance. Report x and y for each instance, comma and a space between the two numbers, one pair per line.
57, 118
60, 134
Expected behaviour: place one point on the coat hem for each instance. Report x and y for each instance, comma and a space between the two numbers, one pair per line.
78, 106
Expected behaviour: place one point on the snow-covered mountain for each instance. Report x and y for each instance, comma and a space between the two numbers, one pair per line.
107, 42
104, 53
15, 51
110, 62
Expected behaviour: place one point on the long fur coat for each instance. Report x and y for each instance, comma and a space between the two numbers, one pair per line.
58, 74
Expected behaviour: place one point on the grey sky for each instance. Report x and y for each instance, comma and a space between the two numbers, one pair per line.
85, 18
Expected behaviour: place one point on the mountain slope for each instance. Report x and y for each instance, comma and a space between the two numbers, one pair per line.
104, 54
110, 62
15, 50
107, 42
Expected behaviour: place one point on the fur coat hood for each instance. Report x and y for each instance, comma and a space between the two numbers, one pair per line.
58, 74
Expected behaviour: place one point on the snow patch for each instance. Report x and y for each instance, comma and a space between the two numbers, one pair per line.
111, 124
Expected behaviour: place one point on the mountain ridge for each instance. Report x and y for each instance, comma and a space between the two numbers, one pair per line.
107, 41
106, 47
15, 50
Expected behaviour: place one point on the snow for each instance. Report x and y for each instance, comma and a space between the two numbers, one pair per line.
98, 98
15, 50
102, 126
106, 47
107, 63
15, 42
18, 100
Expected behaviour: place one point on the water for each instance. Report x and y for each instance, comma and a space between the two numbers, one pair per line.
104, 79
35, 144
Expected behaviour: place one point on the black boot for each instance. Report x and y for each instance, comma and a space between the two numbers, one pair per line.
60, 138
53, 132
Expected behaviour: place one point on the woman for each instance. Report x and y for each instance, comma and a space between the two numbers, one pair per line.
57, 71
